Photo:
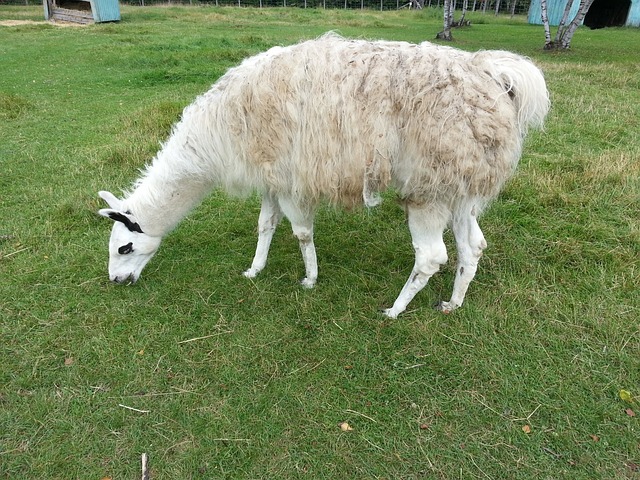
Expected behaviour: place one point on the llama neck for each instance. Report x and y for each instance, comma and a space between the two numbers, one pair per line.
166, 193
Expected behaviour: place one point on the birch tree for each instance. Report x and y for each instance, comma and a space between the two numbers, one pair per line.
445, 34
465, 7
565, 31
545, 23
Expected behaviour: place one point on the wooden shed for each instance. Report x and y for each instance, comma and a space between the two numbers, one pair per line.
82, 11
603, 13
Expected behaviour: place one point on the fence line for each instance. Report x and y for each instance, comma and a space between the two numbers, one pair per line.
483, 6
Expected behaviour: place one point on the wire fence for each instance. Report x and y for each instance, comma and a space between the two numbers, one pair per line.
513, 7
494, 7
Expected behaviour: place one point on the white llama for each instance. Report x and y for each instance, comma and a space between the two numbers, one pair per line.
341, 120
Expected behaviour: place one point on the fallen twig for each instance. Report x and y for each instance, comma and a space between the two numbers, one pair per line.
456, 341
133, 409
551, 452
230, 440
13, 253
205, 337
145, 469
528, 417
361, 414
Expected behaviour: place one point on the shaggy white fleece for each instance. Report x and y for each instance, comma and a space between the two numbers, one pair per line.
342, 120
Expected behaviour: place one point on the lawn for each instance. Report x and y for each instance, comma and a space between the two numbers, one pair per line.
217, 376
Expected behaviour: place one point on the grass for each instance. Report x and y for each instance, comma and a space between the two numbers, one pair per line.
250, 379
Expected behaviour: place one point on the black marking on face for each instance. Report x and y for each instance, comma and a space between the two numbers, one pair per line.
125, 249
121, 217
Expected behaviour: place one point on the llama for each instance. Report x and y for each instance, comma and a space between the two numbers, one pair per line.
339, 121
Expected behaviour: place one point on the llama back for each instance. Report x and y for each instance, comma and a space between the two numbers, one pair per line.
344, 119
299, 116
479, 109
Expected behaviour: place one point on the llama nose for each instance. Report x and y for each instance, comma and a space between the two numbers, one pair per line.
129, 279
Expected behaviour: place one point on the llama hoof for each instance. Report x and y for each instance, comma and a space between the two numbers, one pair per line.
446, 307
251, 273
389, 313
308, 283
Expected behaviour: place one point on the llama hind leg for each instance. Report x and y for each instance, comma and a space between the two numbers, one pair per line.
426, 224
302, 226
270, 216
470, 243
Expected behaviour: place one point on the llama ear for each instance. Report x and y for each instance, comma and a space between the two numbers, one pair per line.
113, 201
107, 212
126, 218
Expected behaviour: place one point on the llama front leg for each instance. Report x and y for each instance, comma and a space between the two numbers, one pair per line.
270, 216
302, 226
470, 243
426, 224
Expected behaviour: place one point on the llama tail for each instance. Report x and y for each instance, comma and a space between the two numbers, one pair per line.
523, 81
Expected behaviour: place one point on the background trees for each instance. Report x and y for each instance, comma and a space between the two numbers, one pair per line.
565, 30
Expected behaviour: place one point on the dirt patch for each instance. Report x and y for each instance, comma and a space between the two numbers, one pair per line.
17, 23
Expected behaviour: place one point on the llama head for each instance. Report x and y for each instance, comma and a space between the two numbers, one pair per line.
130, 249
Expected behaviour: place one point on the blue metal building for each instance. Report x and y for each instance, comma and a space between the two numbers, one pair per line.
603, 13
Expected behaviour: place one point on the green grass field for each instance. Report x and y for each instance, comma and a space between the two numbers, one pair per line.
232, 378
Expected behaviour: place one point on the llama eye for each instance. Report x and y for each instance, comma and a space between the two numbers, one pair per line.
128, 248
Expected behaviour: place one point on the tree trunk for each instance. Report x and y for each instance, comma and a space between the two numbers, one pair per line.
562, 26
465, 7
548, 44
513, 8
445, 34
565, 32
497, 7
460, 23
